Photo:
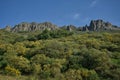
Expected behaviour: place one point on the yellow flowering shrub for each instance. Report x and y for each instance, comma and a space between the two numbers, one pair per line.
12, 71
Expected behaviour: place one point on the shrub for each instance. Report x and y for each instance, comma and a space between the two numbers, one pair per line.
12, 71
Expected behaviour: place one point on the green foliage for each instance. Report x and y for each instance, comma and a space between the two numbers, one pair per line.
20, 39
60, 55
19, 62
12, 71
54, 49
81, 74
93, 59
2, 51
46, 34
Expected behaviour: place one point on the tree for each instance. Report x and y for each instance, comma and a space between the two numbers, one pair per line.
19, 62
44, 35
81, 74
72, 74
53, 49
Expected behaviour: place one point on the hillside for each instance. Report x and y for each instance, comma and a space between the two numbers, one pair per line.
60, 53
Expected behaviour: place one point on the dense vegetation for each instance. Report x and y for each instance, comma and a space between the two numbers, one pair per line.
59, 55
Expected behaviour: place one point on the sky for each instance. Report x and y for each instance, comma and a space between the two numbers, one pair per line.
59, 12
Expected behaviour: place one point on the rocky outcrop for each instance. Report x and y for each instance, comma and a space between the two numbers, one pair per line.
99, 25
95, 25
8, 28
69, 27
33, 27
84, 28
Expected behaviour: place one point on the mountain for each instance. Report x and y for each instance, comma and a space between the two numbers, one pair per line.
95, 25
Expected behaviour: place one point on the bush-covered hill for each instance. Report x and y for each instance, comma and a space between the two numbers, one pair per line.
59, 55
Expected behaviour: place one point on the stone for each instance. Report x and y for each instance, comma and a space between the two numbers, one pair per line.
34, 27
98, 25
69, 27
8, 28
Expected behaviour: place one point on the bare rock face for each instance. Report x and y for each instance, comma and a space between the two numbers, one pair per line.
69, 27
8, 28
98, 25
84, 28
95, 25
34, 27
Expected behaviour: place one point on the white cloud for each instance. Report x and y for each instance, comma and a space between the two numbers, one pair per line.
76, 16
93, 3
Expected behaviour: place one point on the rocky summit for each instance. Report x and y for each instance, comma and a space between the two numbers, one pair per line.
99, 25
32, 27
95, 25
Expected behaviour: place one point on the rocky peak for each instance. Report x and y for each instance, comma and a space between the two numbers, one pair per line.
34, 26
97, 25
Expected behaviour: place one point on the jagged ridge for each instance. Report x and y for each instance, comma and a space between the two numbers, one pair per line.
98, 25
32, 27
95, 25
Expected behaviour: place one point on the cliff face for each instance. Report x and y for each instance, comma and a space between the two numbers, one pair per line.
69, 27
33, 27
98, 25
8, 28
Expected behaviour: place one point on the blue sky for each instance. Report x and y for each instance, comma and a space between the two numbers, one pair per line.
59, 12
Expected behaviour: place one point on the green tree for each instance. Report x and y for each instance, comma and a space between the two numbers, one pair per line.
44, 35
19, 62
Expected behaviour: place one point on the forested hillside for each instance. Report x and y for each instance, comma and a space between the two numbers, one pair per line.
60, 55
